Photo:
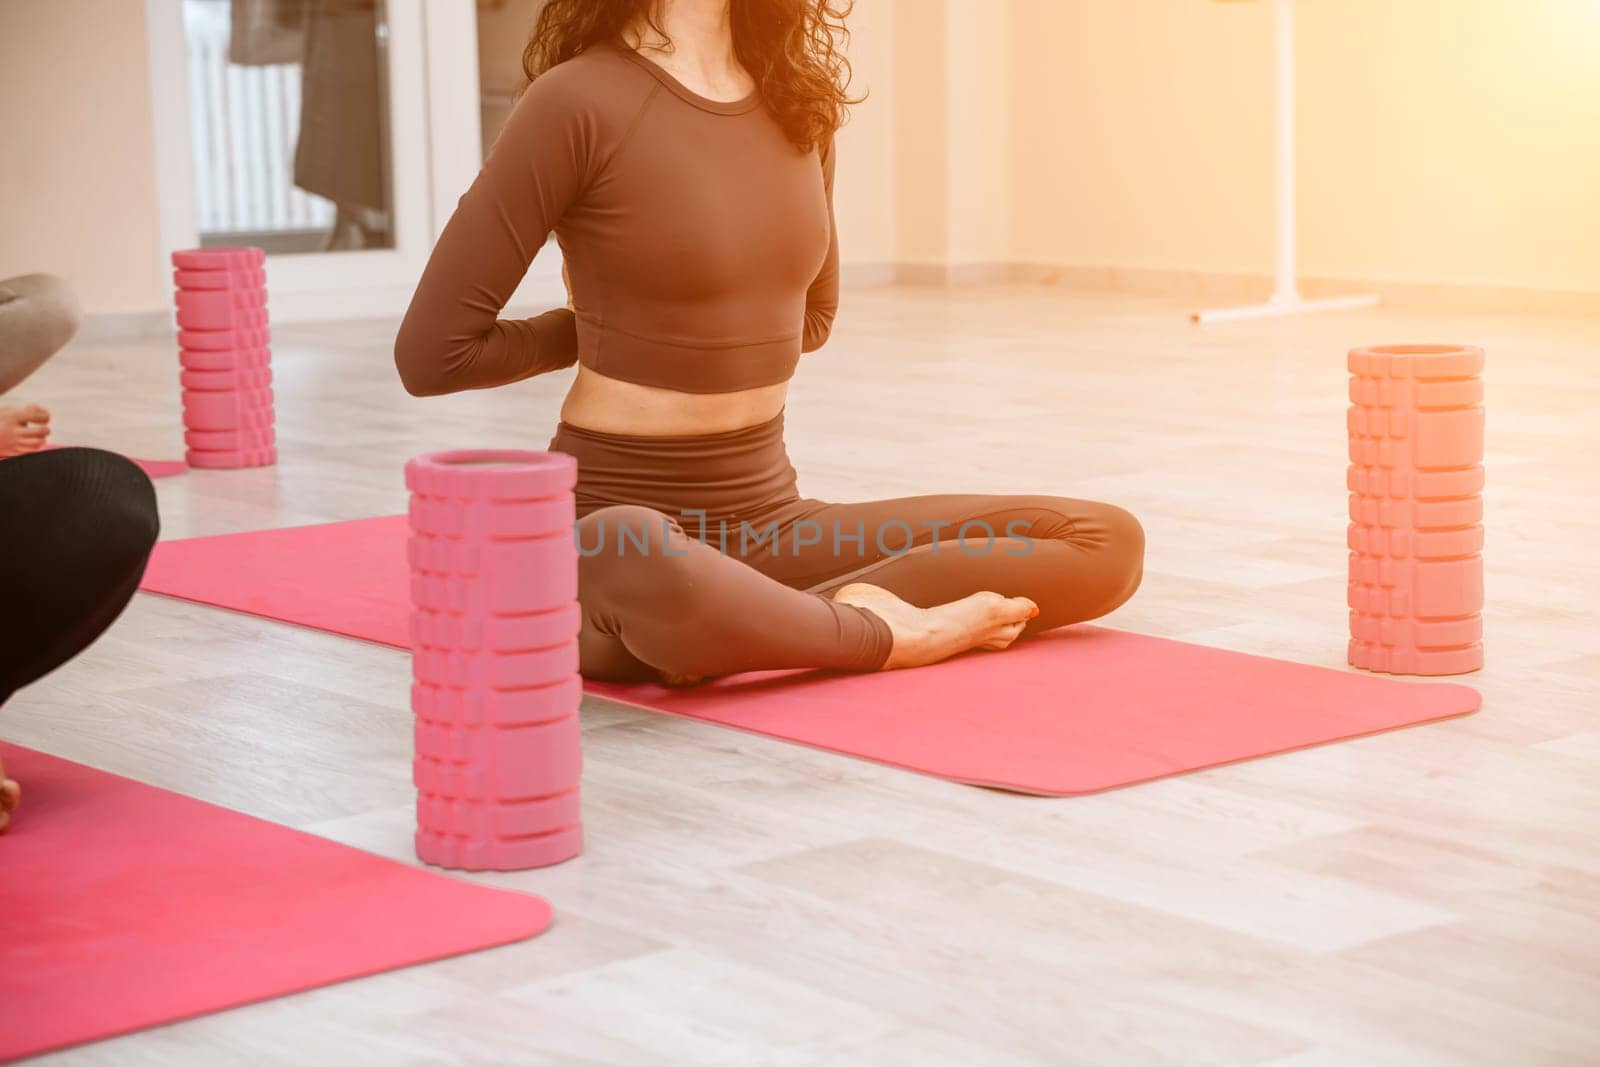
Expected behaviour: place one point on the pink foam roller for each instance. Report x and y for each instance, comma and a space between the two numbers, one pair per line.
1444, 633
1413, 514
502, 764
496, 707
224, 359
224, 340
502, 577
1387, 392
235, 410
220, 302
221, 309
221, 258
244, 278
491, 669
229, 440
495, 659
1400, 363
498, 853
522, 475
217, 381
458, 817
1423, 485
507, 633
237, 459
443, 517
1416, 434
1424, 544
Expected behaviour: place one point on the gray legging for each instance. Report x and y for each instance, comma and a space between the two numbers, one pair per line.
38, 315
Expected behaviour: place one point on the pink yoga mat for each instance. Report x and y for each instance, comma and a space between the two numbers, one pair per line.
154, 468
1077, 711
126, 906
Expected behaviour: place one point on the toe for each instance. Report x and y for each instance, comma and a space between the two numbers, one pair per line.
1014, 609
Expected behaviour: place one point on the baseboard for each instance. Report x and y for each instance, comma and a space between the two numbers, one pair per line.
1201, 288
888, 272
1215, 288
860, 275
1488, 300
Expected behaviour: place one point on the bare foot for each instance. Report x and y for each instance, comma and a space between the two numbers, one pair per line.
10, 793
927, 635
23, 429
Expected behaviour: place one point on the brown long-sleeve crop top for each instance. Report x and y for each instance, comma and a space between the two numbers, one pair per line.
700, 241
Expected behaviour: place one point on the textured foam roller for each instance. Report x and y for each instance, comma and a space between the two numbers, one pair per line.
1416, 431
218, 315
228, 258
480, 475
224, 340
221, 301
236, 410
236, 459
224, 359
494, 669
496, 707
493, 577
439, 517
489, 763
444, 848
507, 633
496, 690
229, 440
247, 278
219, 381
510, 818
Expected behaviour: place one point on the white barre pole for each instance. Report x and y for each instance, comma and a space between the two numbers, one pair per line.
1286, 298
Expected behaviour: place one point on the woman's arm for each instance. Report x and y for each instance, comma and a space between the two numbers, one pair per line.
822, 298
452, 337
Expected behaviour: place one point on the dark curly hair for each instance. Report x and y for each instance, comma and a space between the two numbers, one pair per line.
792, 48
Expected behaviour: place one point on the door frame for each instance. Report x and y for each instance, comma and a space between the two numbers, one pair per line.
435, 142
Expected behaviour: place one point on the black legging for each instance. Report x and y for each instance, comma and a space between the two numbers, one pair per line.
76, 528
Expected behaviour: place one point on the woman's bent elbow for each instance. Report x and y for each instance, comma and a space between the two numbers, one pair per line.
419, 367
416, 384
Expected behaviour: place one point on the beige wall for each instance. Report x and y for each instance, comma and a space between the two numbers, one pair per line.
1441, 141
1454, 142
77, 185
868, 169
978, 102
947, 130
1142, 134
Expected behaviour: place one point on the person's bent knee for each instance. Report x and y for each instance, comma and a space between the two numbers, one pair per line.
126, 515
1124, 560
633, 552
136, 510
626, 530
1124, 532
51, 305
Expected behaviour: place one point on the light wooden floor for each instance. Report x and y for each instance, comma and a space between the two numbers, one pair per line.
1425, 897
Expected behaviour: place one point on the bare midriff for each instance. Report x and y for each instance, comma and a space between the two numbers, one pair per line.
606, 405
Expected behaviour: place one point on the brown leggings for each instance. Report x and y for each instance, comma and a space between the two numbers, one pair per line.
698, 556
